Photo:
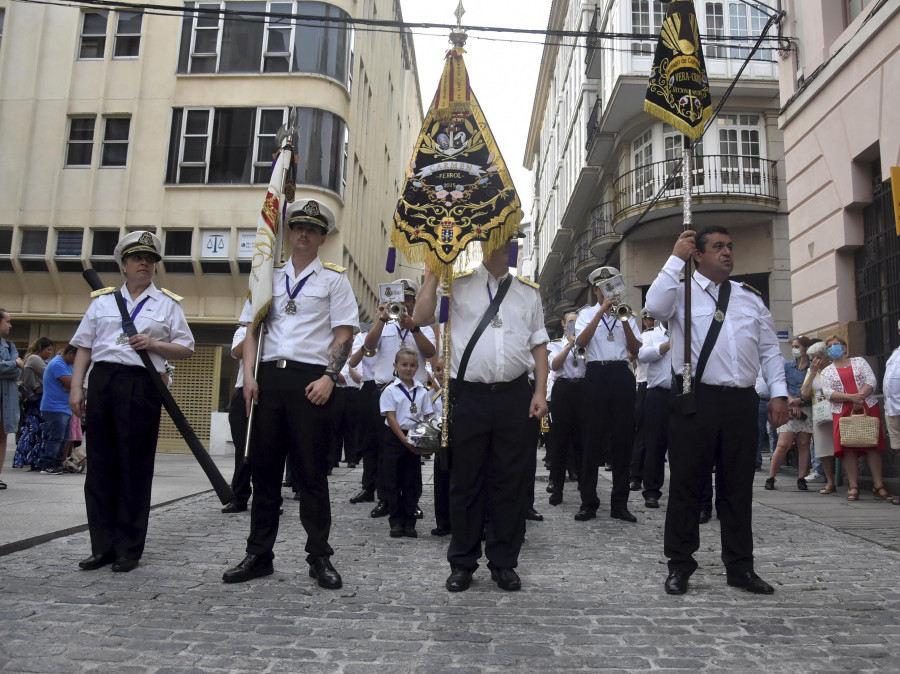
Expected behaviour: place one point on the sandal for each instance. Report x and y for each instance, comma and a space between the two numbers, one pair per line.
2, 484
882, 494
828, 489
853, 494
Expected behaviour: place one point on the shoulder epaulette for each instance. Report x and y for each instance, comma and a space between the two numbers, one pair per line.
463, 274
747, 286
558, 339
177, 298
334, 267
529, 283
103, 291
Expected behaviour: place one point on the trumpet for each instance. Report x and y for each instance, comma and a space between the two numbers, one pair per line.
394, 310
579, 353
622, 311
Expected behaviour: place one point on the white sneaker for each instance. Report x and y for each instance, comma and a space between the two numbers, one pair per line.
815, 477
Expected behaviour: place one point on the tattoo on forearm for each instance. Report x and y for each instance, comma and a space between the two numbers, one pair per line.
339, 355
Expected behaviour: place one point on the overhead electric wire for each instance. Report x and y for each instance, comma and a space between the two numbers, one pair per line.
679, 166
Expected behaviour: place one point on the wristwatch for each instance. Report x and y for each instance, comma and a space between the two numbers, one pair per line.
332, 375
415, 329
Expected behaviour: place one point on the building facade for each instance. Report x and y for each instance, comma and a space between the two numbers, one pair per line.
841, 91
115, 121
599, 161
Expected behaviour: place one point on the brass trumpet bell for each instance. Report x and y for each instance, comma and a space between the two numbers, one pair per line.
394, 310
622, 312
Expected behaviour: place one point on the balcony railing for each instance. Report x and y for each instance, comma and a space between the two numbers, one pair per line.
713, 174
593, 123
591, 42
601, 220
583, 247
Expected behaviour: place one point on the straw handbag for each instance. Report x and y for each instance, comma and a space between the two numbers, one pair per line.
859, 430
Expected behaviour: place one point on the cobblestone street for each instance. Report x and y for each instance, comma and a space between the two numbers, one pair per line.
592, 598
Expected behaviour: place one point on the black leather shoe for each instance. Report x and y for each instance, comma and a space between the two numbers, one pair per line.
705, 515
363, 497
555, 498
96, 561
677, 582
328, 577
459, 579
410, 531
573, 476
621, 513
124, 565
351, 464
607, 467
634, 484
234, 507
396, 531
551, 487
252, 566
651, 502
533, 515
801, 484
748, 580
380, 510
585, 514
506, 579
770, 484
439, 531
418, 514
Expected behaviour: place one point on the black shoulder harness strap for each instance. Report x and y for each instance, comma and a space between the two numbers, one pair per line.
714, 329
488, 315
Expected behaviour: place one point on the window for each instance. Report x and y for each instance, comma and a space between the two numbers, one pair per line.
32, 249
739, 144
235, 146
6, 249
68, 250
278, 45
673, 142
646, 19
115, 141
80, 147
93, 35
715, 30
177, 246
852, 9
102, 247
747, 22
128, 34
2, 17
642, 154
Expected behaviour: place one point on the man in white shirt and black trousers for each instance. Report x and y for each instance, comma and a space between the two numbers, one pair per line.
609, 397
717, 425
496, 416
310, 330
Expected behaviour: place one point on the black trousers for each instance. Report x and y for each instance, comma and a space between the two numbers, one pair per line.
336, 439
656, 440
639, 449
285, 423
441, 494
565, 431
371, 423
493, 452
237, 420
348, 433
608, 405
722, 434
123, 409
402, 477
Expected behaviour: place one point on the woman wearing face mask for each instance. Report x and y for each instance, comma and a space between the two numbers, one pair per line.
849, 384
799, 426
823, 432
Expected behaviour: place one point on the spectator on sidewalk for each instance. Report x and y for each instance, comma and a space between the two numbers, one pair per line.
31, 387
10, 369
55, 412
823, 432
891, 388
799, 426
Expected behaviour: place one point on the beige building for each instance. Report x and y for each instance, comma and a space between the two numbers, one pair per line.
599, 160
114, 121
841, 95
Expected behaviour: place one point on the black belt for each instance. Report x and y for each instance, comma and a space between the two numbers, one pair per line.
573, 380
490, 388
283, 363
679, 381
607, 362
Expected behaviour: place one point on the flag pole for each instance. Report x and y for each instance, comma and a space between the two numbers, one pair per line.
687, 177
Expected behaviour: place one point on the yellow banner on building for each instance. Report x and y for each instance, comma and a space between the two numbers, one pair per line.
895, 189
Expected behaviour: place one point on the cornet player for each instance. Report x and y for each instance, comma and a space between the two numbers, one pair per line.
609, 338
382, 342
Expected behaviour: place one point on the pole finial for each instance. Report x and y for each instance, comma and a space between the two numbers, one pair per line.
458, 35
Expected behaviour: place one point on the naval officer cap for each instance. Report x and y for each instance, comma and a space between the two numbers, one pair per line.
410, 287
138, 242
310, 212
601, 274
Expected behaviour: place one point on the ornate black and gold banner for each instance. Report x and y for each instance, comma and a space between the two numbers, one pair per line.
678, 91
458, 189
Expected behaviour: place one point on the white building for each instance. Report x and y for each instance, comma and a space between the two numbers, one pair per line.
114, 121
599, 160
